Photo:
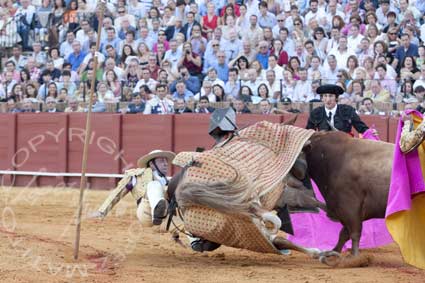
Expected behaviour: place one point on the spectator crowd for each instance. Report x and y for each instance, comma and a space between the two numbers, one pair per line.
163, 55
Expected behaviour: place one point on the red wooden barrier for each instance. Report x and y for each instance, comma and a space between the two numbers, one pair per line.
380, 123
40, 146
104, 147
301, 121
191, 131
392, 129
244, 120
142, 134
7, 146
54, 142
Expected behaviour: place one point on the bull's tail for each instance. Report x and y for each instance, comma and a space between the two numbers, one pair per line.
219, 196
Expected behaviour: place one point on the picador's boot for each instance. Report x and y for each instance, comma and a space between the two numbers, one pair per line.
157, 202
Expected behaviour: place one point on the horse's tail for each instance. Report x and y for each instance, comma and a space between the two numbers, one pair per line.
219, 196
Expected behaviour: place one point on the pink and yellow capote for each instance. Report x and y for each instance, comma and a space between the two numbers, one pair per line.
405, 215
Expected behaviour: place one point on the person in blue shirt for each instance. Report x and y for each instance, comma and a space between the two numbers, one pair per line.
191, 82
77, 56
406, 49
222, 67
111, 39
263, 54
182, 92
97, 106
137, 105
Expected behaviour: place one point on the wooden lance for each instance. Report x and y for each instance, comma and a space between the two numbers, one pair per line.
83, 181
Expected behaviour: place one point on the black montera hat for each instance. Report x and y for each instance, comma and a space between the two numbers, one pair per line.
332, 89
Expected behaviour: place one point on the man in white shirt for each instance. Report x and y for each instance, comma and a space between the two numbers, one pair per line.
382, 11
66, 46
145, 38
273, 85
17, 57
280, 24
252, 82
146, 80
365, 50
233, 46
254, 34
332, 11
331, 72
355, 37
315, 66
333, 41
110, 65
421, 80
124, 16
342, 52
278, 70
159, 104
302, 88
91, 54
315, 14
82, 34
288, 43
107, 23
265, 18
129, 40
173, 55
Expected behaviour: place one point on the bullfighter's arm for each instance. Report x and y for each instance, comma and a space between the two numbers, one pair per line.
358, 124
114, 197
410, 138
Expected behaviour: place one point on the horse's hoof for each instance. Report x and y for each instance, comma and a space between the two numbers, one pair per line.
271, 222
330, 258
314, 252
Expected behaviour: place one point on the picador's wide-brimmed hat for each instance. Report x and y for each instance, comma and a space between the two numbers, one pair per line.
329, 88
144, 160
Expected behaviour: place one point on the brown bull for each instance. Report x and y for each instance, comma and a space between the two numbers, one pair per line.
353, 175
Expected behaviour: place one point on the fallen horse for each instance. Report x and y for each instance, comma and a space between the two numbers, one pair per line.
227, 194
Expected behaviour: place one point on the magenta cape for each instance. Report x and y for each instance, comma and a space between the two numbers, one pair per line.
317, 230
406, 176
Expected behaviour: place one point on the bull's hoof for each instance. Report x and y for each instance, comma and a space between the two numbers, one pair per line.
330, 258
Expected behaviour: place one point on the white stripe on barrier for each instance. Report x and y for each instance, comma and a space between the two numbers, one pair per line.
57, 174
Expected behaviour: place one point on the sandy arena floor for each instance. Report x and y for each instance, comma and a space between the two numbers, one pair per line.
36, 245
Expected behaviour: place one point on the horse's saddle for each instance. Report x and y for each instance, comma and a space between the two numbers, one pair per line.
258, 159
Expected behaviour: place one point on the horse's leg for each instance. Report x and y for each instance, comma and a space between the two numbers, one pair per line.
344, 236
271, 220
281, 244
